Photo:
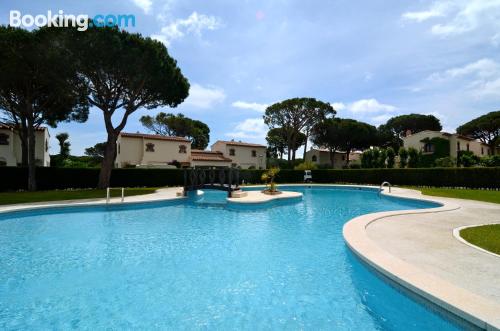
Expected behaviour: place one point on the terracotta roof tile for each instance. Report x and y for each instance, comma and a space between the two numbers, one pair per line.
153, 136
199, 155
239, 143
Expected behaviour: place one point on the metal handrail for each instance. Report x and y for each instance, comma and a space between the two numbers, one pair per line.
108, 194
384, 184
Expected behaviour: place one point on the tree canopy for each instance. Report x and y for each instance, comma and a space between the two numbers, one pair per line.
125, 72
39, 85
344, 134
64, 144
486, 128
96, 151
391, 133
180, 126
295, 116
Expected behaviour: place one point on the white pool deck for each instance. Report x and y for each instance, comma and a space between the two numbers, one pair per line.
415, 248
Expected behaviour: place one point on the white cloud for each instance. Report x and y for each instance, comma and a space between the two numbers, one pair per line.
251, 128
194, 24
459, 16
438, 9
369, 106
204, 97
479, 79
145, 5
481, 68
338, 106
260, 107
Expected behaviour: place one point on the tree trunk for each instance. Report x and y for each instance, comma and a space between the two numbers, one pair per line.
24, 149
348, 151
108, 161
31, 157
23, 136
305, 146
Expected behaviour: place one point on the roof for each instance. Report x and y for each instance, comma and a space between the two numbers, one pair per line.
447, 134
154, 137
199, 155
326, 150
239, 143
10, 127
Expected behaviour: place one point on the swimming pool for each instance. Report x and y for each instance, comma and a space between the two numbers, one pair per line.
196, 264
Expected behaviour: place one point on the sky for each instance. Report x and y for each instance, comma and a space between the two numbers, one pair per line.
371, 59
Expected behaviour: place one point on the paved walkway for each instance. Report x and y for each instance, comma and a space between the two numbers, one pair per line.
161, 194
427, 242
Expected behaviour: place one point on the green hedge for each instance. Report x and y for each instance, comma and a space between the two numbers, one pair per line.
14, 178
438, 177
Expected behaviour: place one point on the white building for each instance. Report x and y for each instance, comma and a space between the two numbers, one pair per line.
243, 155
321, 157
421, 142
149, 150
11, 151
139, 149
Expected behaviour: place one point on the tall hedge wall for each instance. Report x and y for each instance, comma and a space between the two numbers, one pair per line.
14, 178
439, 177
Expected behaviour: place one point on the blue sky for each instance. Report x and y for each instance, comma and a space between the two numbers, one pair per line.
371, 59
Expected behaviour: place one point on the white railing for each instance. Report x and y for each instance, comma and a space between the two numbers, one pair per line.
384, 184
108, 196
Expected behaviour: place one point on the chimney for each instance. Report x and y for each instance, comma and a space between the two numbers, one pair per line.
408, 133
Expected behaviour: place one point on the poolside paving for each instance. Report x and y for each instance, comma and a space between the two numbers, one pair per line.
427, 242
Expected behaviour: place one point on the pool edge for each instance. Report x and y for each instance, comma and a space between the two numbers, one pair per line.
458, 301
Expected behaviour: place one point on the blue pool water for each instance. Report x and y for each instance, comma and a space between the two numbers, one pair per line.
197, 264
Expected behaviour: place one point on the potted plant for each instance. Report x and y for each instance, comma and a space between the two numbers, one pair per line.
268, 178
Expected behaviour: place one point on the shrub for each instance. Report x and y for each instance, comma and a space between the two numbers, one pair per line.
467, 159
490, 161
438, 177
15, 178
413, 158
445, 162
367, 159
306, 165
391, 155
403, 157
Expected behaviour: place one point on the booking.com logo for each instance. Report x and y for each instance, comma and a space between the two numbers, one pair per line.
81, 22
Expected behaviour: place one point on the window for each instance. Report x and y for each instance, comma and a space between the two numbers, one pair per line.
343, 157
150, 147
46, 145
3, 162
482, 151
254, 153
458, 146
467, 147
118, 148
182, 149
4, 139
232, 152
428, 148
314, 158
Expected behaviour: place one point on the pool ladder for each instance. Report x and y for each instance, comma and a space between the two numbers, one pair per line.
108, 195
384, 184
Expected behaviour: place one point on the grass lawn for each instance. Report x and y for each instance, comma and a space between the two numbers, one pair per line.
485, 236
480, 195
8, 198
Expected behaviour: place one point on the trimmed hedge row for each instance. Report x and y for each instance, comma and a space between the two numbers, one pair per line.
15, 178
438, 177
